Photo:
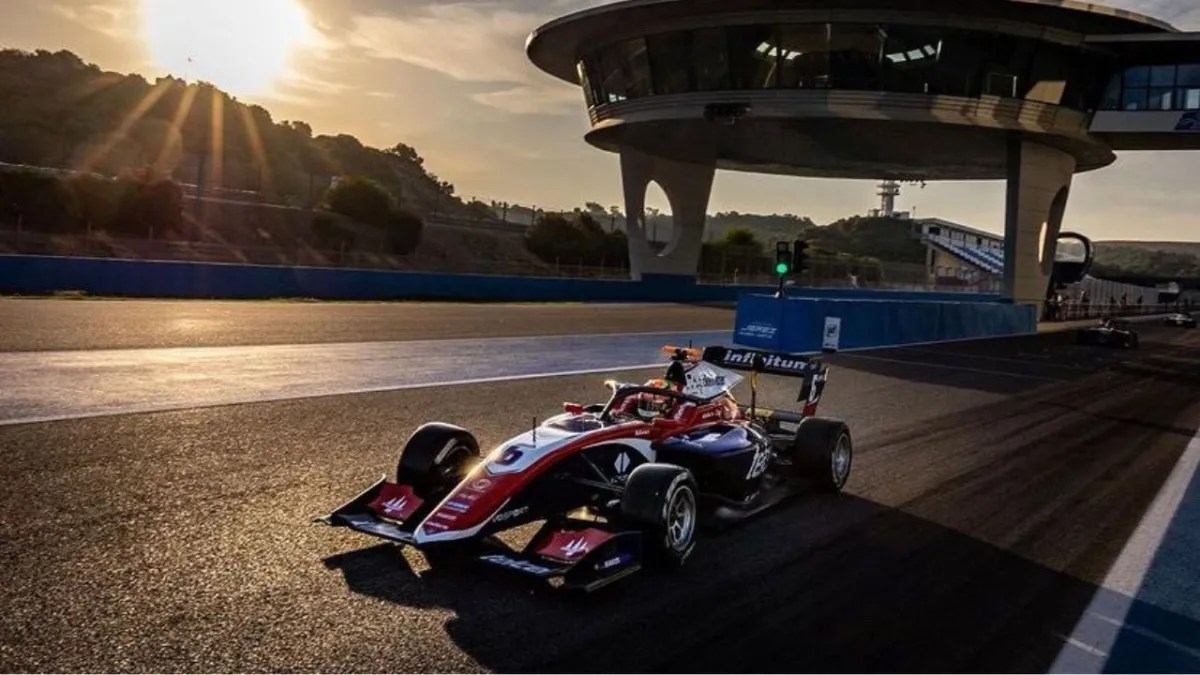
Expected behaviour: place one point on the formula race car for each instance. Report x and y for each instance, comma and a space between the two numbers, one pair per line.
617, 485
1181, 321
1109, 333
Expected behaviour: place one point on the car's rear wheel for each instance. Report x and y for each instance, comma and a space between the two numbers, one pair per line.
436, 458
663, 501
824, 452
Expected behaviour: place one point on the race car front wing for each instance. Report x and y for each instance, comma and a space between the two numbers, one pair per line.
364, 514
576, 554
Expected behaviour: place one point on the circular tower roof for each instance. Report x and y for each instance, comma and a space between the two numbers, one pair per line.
555, 46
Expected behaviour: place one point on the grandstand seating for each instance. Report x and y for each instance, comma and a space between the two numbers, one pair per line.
985, 258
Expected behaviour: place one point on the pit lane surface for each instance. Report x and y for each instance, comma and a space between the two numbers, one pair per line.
995, 484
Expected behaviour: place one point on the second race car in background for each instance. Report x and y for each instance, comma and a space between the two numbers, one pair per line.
1180, 320
615, 485
1109, 333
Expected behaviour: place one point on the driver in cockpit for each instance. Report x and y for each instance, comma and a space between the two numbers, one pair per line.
650, 406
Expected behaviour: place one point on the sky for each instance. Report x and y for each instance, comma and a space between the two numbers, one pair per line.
450, 78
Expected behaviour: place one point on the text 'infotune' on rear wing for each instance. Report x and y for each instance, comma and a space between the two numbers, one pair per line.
754, 361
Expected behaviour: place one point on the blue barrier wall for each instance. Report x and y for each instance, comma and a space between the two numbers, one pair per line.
798, 324
108, 276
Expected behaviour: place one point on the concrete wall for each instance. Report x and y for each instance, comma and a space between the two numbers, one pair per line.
22, 274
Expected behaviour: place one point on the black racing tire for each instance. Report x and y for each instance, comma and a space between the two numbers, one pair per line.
436, 457
664, 502
824, 452
1133, 342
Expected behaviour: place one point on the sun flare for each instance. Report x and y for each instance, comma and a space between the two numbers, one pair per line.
242, 46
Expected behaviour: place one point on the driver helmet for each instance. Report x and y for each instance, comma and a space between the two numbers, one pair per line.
650, 406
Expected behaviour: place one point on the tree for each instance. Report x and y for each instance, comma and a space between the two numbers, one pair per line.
367, 202
579, 239
362, 200
407, 153
301, 128
742, 238
404, 231
329, 234
59, 111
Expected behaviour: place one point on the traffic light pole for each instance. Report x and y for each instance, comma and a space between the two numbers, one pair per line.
783, 264
791, 259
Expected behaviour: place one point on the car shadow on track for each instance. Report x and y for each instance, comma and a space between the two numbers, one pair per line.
825, 584
1017, 365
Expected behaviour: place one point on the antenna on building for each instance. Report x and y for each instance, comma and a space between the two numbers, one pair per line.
888, 191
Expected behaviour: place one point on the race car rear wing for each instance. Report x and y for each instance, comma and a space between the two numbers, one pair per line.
754, 361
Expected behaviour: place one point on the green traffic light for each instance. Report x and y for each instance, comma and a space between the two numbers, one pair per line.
781, 268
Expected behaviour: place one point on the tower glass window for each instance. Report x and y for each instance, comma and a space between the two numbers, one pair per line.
933, 60
1150, 88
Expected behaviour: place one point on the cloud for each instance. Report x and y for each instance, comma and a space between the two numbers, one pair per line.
474, 42
1184, 14
467, 43
114, 18
527, 100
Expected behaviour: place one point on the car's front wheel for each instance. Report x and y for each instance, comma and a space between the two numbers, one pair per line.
663, 501
436, 458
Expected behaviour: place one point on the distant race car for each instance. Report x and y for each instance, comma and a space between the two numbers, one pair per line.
1181, 320
1109, 333
619, 485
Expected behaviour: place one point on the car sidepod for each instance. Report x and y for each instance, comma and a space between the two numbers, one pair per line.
728, 460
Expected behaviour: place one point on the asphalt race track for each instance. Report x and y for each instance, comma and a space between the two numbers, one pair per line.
34, 324
995, 488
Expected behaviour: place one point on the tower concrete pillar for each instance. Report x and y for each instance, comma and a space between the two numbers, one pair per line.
688, 188
1039, 183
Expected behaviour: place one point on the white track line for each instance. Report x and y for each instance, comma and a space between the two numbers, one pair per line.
1088, 647
136, 410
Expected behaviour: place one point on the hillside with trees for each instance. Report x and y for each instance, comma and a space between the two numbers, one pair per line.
1149, 259
101, 163
57, 111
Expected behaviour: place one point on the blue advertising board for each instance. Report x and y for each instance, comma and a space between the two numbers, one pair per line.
34, 274
803, 324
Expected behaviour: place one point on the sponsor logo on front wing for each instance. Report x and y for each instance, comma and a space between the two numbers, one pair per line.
519, 565
372, 526
395, 505
610, 563
575, 547
511, 513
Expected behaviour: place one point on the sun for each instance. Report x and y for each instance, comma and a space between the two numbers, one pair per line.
241, 46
